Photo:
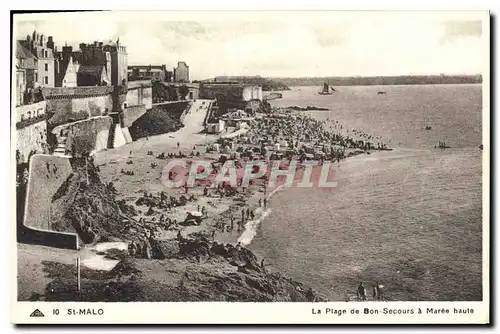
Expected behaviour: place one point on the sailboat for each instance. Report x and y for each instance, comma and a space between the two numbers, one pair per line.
326, 90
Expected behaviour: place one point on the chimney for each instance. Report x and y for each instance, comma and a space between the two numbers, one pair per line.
50, 43
67, 52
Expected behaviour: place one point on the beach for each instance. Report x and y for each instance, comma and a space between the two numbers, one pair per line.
394, 216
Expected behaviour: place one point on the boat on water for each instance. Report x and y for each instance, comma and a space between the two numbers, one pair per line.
442, 144
326, 90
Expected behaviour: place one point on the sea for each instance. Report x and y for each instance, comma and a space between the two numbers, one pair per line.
408, 219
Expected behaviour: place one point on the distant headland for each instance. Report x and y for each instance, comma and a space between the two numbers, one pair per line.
381, 80
267, 84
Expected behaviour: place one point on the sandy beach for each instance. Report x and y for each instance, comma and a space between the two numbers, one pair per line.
146, 177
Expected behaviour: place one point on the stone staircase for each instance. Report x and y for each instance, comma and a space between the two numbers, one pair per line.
61, 147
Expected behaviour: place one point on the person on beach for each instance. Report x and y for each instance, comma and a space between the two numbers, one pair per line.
260, 202
213, 235
198, 208
178, 144
242, 214
375, 292
248, 213
361, 291
262, 264
204, 211
232, 223
252, 215
265, 203
380, 290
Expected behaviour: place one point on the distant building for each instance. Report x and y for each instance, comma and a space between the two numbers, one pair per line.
163, 92
181, 72
43, 51
26, 71
169, 75
231, 92
147, 72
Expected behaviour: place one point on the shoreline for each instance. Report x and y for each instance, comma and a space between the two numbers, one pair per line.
139, 183
219, 209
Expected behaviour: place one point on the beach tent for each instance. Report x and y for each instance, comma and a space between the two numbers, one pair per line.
193, 218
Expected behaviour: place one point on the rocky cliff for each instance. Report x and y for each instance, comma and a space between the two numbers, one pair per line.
181, 269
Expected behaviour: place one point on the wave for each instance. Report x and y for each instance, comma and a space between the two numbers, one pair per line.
251, 226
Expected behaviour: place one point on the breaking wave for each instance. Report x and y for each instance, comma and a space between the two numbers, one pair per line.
252, 225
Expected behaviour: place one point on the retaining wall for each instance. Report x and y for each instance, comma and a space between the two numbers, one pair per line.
86, 136
28, 111
140, 94
47, 174
76, 103
132, 113
31, 138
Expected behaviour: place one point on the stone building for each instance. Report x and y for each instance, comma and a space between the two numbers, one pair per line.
108, 61
26, 72
181, 72
230, 91
43, 51
147, 72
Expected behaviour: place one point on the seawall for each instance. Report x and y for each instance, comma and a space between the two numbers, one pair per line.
140, 92
31, 139
71, 104
159, 120
47, 174
85, 136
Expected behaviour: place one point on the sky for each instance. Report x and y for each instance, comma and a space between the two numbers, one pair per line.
277, 45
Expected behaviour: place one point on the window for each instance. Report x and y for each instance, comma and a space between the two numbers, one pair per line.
36, 76
46, 67
45, 53
46, 80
